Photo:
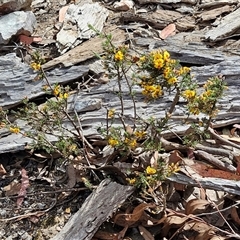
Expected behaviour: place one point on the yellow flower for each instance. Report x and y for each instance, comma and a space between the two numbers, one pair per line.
56, 90
194, 110
143, 59
189, 94
132, 143
119, 55
113, 142
140, 134
150, 170
166, 55
131, 180
111, 113
167, 72
152, 91
157, 55
63, 96
158, 63
14, 130
35, 66
172, 168
172, 80
184, 70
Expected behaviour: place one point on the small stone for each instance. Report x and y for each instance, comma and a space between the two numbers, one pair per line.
16, 23
7, 6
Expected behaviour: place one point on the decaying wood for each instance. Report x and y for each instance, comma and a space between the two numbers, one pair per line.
229, 186
96, 209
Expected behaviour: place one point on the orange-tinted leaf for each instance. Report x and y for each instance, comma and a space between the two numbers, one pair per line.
24, 185
130, 219
175, 157
169, 30
206, 171
105, 235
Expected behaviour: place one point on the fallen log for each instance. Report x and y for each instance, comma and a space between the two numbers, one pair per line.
96, 209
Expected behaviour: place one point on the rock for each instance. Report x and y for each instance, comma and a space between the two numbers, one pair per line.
75, 26
7, 6
17, 80
15, 23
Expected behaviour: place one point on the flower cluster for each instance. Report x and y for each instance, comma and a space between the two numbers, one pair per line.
205, 102
59, 92
126, 141
37, 61
163, 72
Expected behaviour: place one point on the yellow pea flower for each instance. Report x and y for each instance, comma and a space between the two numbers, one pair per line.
150, 170
119, 56
14, 130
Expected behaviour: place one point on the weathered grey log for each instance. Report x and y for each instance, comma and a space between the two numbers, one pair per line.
218, 184
96, 209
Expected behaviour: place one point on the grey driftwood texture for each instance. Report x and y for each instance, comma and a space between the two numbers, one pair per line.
96, 209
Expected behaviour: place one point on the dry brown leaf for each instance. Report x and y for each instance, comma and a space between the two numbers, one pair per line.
12, 189
173, 221
196, 206
175, 157
129, 130
24, 185
135, 216
145, 233
71, 173
105, 235
234, 215
168, 31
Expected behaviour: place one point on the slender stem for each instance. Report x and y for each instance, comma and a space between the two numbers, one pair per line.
132, 97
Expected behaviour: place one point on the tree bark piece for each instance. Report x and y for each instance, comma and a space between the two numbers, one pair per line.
96, 209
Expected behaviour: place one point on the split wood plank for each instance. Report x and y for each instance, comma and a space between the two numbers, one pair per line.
96, 209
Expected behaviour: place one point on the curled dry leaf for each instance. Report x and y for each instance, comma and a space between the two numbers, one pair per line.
173, 221
123, 219
196, 206
175, 157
